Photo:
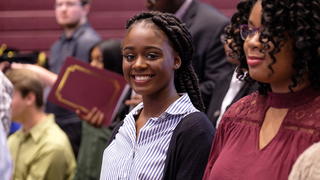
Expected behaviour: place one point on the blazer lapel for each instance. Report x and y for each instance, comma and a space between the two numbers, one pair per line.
190, 14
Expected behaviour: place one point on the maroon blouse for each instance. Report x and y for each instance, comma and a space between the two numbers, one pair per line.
235, 152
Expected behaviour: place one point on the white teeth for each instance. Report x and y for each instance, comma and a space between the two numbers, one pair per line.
141, 78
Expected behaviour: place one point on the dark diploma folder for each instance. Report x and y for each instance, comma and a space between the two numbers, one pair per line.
81, 86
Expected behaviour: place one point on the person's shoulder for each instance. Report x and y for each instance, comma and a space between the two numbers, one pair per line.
210, 14
195, 121
89, 34
245, 105
14, 138
210, 10
307, 164
313, 151
56, 137
55, 45
309, 112
247, 100
316, 101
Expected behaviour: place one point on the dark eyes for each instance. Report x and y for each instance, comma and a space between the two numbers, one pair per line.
152, 56
128, 57
147, 56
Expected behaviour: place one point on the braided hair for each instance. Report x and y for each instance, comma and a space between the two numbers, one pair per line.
296, 19
185, 77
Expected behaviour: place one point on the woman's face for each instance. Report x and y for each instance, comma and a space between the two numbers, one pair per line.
97, 58
259, 60
149, 60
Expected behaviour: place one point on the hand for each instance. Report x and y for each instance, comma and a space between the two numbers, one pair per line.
46, 76
4, 65
135, 100
94, 116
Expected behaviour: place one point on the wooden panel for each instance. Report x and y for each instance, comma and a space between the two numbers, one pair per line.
44, 20
117, 5
27, 20
96, 5
31, 25
110, 19
29, 40
42, 40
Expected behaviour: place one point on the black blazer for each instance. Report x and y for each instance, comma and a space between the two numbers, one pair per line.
218, 96
206, 24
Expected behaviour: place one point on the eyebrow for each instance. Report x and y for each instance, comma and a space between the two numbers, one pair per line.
147, 48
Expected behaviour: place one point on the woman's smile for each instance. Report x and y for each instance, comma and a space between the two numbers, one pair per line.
254, 60
141, 79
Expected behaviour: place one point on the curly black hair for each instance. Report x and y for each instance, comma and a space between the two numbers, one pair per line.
186, 79
297, 19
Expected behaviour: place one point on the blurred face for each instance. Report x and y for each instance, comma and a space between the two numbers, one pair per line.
70, 13
148, 60
18, 106
97, 58
259, 60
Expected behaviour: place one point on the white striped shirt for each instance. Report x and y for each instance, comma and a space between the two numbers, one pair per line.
143, 157
6, 90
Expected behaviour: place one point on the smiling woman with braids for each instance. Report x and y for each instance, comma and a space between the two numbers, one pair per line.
164, 137
261, 136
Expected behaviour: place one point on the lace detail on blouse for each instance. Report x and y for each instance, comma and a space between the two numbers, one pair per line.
303, 115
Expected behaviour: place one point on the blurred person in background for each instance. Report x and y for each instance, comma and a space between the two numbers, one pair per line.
307, 166
6, 90
231, 92
77, 39
40, 149
104, 55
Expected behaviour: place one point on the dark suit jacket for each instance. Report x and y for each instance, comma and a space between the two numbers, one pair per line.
218, 96
206, 25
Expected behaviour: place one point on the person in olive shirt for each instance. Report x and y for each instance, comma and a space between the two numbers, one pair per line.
40, 149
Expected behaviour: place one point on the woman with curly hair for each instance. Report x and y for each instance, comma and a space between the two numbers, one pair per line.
261, 136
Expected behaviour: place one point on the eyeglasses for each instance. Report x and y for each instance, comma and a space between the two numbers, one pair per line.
223, 38
246, 31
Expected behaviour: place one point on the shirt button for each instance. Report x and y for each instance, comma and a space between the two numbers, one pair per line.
216, 113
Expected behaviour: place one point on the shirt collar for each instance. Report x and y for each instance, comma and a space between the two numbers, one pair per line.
183, 9
176, 108
37, 131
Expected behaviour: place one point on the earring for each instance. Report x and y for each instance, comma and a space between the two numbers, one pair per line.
176, 66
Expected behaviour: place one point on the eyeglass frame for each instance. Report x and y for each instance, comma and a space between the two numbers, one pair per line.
251, 31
